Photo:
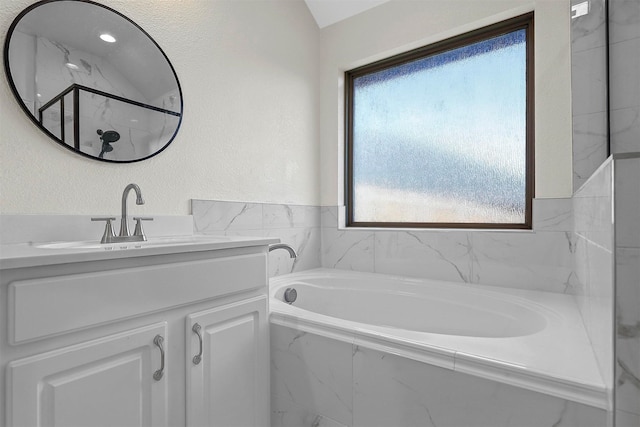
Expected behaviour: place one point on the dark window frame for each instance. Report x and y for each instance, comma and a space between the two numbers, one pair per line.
525, 22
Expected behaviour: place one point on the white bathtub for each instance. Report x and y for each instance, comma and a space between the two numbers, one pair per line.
533, 340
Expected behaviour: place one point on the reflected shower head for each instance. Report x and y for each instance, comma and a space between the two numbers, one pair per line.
107, 138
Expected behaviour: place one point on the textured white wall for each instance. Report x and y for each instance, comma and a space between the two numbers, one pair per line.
249, 76
402, 25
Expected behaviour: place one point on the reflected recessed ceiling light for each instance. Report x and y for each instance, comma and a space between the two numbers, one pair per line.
108, 38
72, 66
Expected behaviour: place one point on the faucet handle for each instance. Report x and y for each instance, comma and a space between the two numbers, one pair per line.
138, 230
108, 235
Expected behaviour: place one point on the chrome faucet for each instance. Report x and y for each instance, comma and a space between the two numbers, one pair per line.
124, 235
288, 248
124, 226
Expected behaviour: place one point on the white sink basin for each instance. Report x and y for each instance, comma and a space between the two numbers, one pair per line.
150, 243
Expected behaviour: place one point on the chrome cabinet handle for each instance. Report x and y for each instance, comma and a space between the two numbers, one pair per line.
198, 357
157, 375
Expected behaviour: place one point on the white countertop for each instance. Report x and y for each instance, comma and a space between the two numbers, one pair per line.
21, 255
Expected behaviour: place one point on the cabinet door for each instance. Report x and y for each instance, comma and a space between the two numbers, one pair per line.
229, 386
106, 382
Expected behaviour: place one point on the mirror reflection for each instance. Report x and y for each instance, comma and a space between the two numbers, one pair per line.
93, 80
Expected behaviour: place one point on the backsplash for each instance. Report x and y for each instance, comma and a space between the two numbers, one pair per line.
296, 225
539, 259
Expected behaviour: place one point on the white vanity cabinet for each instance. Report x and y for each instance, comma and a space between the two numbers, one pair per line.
104, 382
112, 342
228, 365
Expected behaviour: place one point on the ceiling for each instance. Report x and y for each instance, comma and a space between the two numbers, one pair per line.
327, 12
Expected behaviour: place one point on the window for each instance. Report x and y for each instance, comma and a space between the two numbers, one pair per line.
443, 136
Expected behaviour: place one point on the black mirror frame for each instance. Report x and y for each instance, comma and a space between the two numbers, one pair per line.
7, 70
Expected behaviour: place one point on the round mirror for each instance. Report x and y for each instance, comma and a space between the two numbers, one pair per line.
93, 80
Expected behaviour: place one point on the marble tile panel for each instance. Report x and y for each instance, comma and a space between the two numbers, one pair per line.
628, 374
536, 260
282, 216
626, 419
437, 255
287, 414
592, 208
312, 372
589, 146
553, 214
624, 71
588, 81
627, 202
305, 241
393, 391
329, 216
624, 16
628, 286
348, 250
588, 31
581, 273
628, 330
214, 216
599, 321
625, 130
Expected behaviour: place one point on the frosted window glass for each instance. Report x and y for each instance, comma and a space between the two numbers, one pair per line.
443, 138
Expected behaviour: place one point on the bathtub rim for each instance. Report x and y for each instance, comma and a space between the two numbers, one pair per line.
593, 394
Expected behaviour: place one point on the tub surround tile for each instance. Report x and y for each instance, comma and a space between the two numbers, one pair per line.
213, 217
390, 390
537, 261
441, 256
328, 216
553, 214
312, 372
461, 256
593, 261
305, 241
575, 390
348, 250
569, 372
626, 419
593, 207
290, 216
295, 225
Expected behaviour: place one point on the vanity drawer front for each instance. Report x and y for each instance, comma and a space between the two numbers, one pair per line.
43, 307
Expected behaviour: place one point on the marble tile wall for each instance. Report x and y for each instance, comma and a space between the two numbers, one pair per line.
541, 259
624, 56
594, 265
627, 248
296, 225
589, 90
317, 381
